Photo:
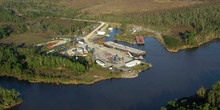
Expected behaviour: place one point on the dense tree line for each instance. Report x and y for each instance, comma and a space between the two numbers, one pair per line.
4, 31
190, 38
8, 98
36, 23
9, 16
7, 29
41, 27
40, 8
61, 29
29, 4
202, 100
17, 61
202, 16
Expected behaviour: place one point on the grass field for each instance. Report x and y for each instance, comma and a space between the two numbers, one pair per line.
101, 6
27, 38
81, 3
124, 6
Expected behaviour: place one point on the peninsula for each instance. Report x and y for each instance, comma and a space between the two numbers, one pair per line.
50, 44
9, 98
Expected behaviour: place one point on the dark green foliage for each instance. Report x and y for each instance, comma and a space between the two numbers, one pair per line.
203, 100
8, 98
190, 38
171, 42
40, 8
20, 28
4, 31
38, 14
201, 92
37, 28
27, 5
19, 61
63, 29
9, 16
123, 26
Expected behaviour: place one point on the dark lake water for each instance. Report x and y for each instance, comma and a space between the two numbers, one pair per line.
172, 76
114, 32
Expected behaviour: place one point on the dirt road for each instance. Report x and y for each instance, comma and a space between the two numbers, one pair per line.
86, 38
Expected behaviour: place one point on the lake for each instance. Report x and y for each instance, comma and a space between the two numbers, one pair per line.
173, 75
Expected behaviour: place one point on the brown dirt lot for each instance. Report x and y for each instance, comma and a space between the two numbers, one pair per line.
123, 6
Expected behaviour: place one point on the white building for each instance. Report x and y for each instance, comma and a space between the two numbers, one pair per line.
100, 62
80, 42
101, 33
110, 29
132, 63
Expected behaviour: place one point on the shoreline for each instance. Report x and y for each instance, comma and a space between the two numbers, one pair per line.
174, 50
11, 106
124, 41
189, 46
124, 74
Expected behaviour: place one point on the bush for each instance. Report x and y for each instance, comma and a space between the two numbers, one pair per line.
190, 38
4, 31
9, 16
203, 100
8, 98
20, 28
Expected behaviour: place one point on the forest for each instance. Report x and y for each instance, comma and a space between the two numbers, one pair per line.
203, 18
9, 98
11, 23
4, 31
202, 100
32, 63
9, 16
200, 17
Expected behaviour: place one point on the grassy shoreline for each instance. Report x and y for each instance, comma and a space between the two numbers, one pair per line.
8, 107
183, 47
188, 46
110, 75
198, 101
9, 98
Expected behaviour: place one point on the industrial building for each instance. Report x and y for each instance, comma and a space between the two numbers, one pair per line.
101, 33
100, 62
132, 63
125, 48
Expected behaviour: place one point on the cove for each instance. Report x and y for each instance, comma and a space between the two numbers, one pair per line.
172, 76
